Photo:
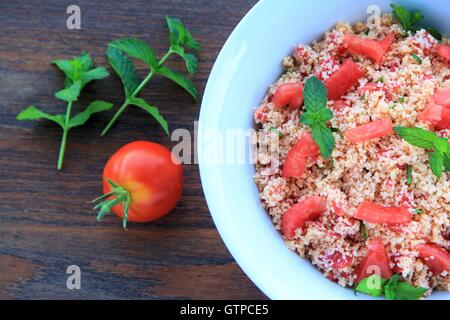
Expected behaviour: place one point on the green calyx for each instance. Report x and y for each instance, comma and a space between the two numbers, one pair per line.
117, 195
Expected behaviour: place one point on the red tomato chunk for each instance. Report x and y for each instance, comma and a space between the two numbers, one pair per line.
288, 94
376, 261
373, 49
296, 161
372, 130
343, 80
437, 259
444, 51
374, 213
299, 214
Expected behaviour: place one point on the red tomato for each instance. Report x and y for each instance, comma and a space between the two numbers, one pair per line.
343, 80
437, 115
373, 49
437, 259
288, 94
442, 97
296, 160
299, 214
374, 213
146, 178
444, 51
376, 261
372, 130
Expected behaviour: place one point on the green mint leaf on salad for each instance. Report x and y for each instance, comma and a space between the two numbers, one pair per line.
393, 289
373, 286
439, 158
317, 115
120, 52
409, 20
437, 163
79, 72
417, 136
399, 290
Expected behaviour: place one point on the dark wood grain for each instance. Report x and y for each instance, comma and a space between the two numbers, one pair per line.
46, 223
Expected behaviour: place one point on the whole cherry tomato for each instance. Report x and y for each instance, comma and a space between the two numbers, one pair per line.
142, 182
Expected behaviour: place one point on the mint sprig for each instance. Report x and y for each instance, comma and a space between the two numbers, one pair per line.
79, 72
440, 149
119, 51
392, 289
410, 19
317, 115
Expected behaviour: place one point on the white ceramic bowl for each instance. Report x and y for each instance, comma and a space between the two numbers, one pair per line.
249, 62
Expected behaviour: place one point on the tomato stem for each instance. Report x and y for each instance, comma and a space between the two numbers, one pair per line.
62, 150
117, 196
135, 93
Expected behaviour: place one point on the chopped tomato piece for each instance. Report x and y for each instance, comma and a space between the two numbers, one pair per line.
376, 261
444, 51
373, 49
432, 113
288, 94
343, 80
372, 130
299, 214
436, 258
442, 97
374, 213
296, 160
437, 115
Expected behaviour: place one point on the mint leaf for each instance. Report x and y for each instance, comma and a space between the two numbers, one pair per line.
153, 112
94, 74
441, 145
315, 95
70, 94
33, 113
180, 79
310, 118
406, 18
137, 49
95, 107
124, 69
447, 162
324, 138
325, 115
405, 291
180, 36
396, 290
437, 163
417, 137
80, 69
373, 286
389, 288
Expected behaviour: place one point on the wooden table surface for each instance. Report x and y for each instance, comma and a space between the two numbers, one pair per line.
46, 222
